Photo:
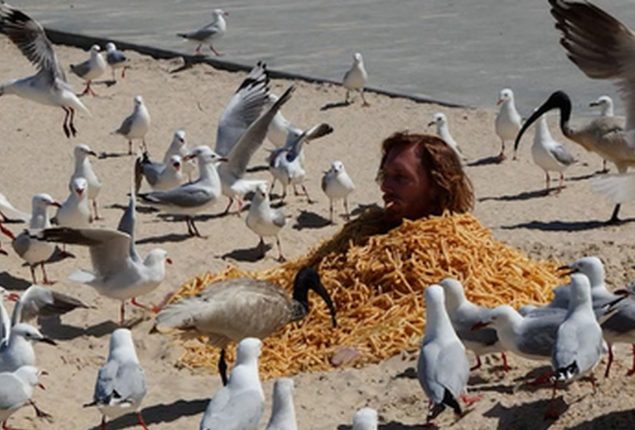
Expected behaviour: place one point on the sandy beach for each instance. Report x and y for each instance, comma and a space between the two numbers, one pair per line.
36, 157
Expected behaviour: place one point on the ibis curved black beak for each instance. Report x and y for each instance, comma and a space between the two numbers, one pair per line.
321, 291
557, 100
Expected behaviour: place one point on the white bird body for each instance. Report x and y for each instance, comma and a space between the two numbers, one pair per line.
442, 368
365, 419
179, 147
39, 301
32, 250
508, 120
121, 385
605, 103
160, 176
264, 220
136, 125
18, 350
549, 155
8, 210
240, 404
356, 77
115, 59
337, 185
16, 390
443, 131
84, 169
75, 211
282, 409
92, 68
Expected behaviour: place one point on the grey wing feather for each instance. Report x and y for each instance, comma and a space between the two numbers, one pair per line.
240, 412
126, 125
562, 155
278, 219
539, 334
623, 321
119, 383
29, 36
81, 69
116, 57
186, 196
578, 342
441, 369
127, 225
251, 140
21, 243
243, 109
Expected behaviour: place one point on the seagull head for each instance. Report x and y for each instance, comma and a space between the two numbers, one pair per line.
81, 151
110, 47
30, 375
357, 57
589, 266
580, 290
95, 49
138, 100
219, 12
30, 333
179, 137
43, 200
248, 350
454, 293
283, 388
365, 418
505, 95
602, 101
337, 166
439, 119
79, 185
157, 256
175, 162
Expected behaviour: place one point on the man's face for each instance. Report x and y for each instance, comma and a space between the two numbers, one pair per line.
407, 189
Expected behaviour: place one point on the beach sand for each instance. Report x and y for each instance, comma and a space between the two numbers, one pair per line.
36, 157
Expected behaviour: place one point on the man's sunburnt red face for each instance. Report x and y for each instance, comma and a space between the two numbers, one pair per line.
408, 191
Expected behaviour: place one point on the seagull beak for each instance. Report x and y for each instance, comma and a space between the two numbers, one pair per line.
44, 373
223, 159
13, 297
594, 104
431, 123
566, 270
93, 153
499, 102
226, 13
41, 386
481, 324
49, 341
56, 204
168, 260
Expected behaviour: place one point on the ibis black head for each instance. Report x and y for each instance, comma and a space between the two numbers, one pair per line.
558, 100
307, 279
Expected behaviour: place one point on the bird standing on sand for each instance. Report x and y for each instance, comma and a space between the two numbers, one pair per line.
234, 309
159, 176
239, 404
116, 60
211, 32
74, 211
121, 382
33, 251
337, 185
508, 120
264, 220
84, 169
356, 78
136, 125
16, 391
549, 155
179, 147
282, 408
48, 86
605, 103
91, 69
442, 367
441, 121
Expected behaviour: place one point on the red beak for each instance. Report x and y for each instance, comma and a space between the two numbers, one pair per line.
168, 260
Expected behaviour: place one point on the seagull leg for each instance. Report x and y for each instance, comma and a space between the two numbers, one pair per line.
541, 379
280, 258
551, 412
46, 280
365, 103
130, 147
188, 222
196, 232
505, 365
86, 90
222, 367
151, 308
229, 205
143, 145
346, 211
122, 313
610, 361
142, 423
33, 274
198, 49
103, 425
478, 364
501, 157
218, 54
123, 72
547, 179
67, 131
614, 218
632, 371
71, 123
331, 211
561, 182
262, 248
346, 98
92, 93
96, 210
40, 413
241, 203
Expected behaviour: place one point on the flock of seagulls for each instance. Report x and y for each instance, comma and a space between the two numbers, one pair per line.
583, 322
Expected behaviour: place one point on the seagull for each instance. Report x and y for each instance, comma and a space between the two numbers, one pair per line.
244, 107
355, 78
211, 32
286, 164
18, 351
179, 147
605, 103
84, 169
136, 125
31, 250
16, 391
579, 344
159, 176
8, 211
337, 185
442, 367
365, 419
118, 272
74, 211
264, 220
48, 86
508, 119
121, 383
620, 328
463, 315
37, 301
91, 69
441, 121
282, 409
234, 309
239, 404
549, 155
234, 185
116, 60
194, 197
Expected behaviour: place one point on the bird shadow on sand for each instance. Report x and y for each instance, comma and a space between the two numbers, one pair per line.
250, 255
526, 416
335, 105
525, 195
485, 161
393, 425
581, 177
157, 414
104, 155
139, 208
613, 420
165, 238
310, 220
408, 373
563, 225
10, 282
57, 330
